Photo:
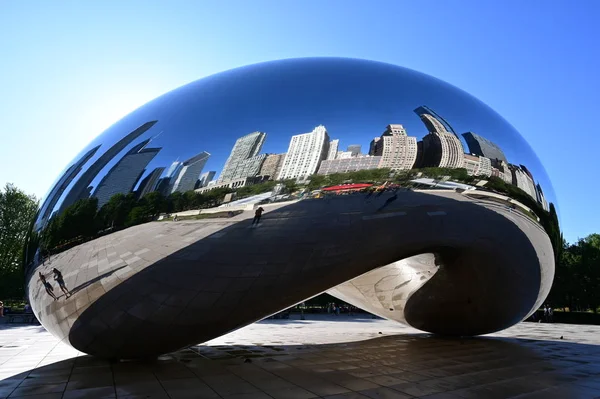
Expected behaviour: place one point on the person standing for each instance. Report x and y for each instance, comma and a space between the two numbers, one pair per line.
257, 215
1, 309
48, 286
58, 277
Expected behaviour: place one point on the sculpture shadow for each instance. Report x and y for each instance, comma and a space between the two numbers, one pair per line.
412, 364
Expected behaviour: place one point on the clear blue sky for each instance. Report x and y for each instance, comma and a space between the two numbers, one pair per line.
70, 69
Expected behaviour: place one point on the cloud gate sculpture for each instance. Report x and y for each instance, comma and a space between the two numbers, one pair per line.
241, 194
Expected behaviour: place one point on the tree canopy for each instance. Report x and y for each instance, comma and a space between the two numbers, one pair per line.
17, 211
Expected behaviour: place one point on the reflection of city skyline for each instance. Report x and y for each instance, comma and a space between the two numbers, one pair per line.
313, 152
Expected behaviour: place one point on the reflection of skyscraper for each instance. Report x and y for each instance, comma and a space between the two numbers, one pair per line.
524, 169
81, 188
244, 148
123, 176
206, 177
397, 150
522, 180
441, 147
354, 149
541, 198
477, 166
500, 169
305, 153
483, 147
149, 183
174, 169
250, 167
333, 149
272, 165
435, 118
60, 186
373, 145
189, 173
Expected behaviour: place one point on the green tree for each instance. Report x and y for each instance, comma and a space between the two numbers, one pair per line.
289, 186
17, 211
114, 213
155, 203
137, 215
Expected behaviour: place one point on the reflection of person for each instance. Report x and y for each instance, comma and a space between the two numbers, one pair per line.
48, 286
58, 277
257, 215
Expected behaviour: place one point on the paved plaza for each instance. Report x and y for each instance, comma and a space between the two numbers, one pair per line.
322, 356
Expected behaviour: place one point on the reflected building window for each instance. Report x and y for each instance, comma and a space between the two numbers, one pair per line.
189, 172
60, 187
441, 147
305, 153
82, 187
149, 183
244, 161
483, 147
123, 177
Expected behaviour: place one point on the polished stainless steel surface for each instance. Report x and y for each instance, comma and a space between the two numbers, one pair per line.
388, 188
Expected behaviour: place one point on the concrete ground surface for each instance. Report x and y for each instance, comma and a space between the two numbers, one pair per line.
341, 357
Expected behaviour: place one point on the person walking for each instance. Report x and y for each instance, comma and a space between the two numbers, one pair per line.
58, 277
257, 216
48, 286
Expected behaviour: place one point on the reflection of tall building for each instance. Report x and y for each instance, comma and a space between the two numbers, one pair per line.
354, 149
206, 177
524, 169
541, 198
522, 180
250, 167
189, 173
440, 123
149, 183
333, 149
305, 153
81, 189
420, 155
174, 169
272, 165
500, 169
245, 147
483, 147
123, 176
352, 164
60, 186
398, 151
441, 147
478, 166
373, 145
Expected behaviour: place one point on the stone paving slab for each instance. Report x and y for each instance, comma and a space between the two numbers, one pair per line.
324, 356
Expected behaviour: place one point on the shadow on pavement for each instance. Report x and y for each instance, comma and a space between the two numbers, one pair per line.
417, 365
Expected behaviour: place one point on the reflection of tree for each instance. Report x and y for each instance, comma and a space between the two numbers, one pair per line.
255, 189
78, 221
359, 176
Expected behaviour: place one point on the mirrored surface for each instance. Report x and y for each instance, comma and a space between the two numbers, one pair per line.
241, 194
